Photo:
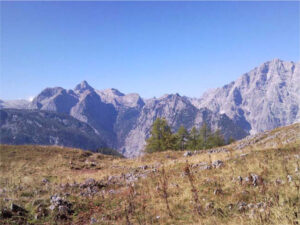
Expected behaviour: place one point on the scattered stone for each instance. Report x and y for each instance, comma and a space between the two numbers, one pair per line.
74, 185
217, 150
62, 207
45, 181
218, 164
93, 164
254, 179
93, 220
5, 214
261, 205
206, 167
89, 182
242, 206
2, 191
144, 167
112, 192
91, 187
251, 205
63, 212
209, 205
230, 206
243, 155
64, 187
290, 178
18, 209
240, 179
175, 185
218, 191
278, 181
188, 153
41, 211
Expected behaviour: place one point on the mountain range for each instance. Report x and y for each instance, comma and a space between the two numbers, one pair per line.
264, 98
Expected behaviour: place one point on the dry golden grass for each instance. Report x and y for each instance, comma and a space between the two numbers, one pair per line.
161, 197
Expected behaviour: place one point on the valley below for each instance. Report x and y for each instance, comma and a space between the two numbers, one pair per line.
252, 181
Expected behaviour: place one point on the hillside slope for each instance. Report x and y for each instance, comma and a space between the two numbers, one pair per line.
247, 182
20, 127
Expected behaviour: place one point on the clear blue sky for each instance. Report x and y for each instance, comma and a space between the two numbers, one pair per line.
150, 48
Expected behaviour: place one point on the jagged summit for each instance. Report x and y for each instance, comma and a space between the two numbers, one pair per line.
83, 86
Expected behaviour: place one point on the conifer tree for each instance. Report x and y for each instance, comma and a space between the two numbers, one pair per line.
193, 139
218, 139
204, 136
181, 138
161, 137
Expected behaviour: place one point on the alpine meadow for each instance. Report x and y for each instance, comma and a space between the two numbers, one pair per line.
150, 112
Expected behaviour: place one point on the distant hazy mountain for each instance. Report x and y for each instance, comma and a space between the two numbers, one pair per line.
264, 98
21, 126
14, 104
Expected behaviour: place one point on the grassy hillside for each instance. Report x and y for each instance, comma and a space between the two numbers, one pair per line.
256, 182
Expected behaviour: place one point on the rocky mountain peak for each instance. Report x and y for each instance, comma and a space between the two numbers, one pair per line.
82, 87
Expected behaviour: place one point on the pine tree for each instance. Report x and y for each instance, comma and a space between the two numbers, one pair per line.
168, 140
161, 137
181, 138
193, 137
218, 138
204, 136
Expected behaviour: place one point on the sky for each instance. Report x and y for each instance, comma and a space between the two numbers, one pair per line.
150, 48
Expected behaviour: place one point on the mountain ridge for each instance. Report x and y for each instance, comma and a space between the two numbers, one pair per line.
264, 98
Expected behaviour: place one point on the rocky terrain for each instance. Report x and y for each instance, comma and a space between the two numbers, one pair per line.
247, 182
262, 99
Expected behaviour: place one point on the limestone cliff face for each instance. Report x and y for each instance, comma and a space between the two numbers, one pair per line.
264, 98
